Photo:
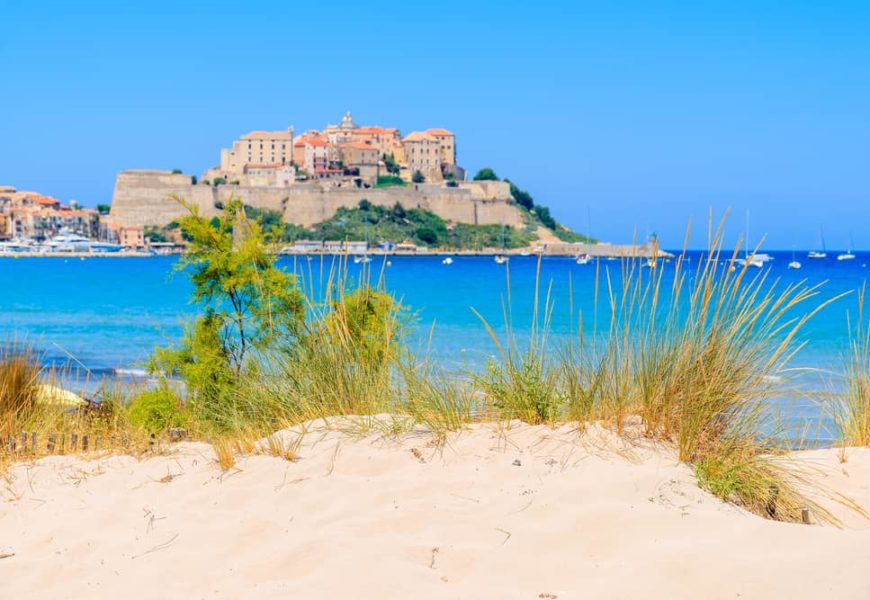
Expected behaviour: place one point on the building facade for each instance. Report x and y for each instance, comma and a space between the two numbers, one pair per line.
258, 148
422, 153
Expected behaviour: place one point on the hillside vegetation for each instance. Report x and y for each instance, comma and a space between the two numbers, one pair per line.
379, 224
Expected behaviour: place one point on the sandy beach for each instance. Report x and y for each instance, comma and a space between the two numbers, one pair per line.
526, 512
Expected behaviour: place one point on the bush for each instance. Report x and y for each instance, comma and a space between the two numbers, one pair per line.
543, 214
418, 177
486, 174
389, 180
427, 235
156, 410
521, 197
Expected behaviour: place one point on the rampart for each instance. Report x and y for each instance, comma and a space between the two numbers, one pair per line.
143, 198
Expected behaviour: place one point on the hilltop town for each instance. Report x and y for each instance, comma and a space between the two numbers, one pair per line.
346, 151
369, 186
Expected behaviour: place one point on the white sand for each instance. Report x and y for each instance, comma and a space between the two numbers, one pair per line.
530, 513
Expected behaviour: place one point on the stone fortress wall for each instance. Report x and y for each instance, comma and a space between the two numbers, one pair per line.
144, 197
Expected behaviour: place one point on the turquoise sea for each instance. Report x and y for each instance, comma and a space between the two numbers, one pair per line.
106, 315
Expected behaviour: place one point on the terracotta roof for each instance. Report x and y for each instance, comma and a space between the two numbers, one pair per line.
359, 146
439, 132
418, 136
327, 170
45, 200
315, 142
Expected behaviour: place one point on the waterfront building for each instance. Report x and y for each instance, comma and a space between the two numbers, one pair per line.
33, 215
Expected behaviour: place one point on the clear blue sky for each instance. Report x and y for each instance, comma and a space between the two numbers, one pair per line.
647, 113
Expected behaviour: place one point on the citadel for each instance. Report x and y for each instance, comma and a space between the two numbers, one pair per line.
308, 177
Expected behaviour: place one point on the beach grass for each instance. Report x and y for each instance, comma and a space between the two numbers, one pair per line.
853, 409
694, 358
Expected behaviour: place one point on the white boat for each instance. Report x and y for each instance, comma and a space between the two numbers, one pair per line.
819, 254
756, 259
361, 259
500, 259
848, 254
73, 242
17, 245
753, 261
794, 264
447, 261
583, 259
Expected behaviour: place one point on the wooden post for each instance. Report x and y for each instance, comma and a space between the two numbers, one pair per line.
73, 441
152, 439
805, 516
85, 443
52, 441
23, 442
11, 444
97, 442
33, 445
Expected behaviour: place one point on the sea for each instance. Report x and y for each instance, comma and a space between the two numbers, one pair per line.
102, 317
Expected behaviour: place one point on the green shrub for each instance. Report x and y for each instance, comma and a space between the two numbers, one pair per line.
486, 174
156, 410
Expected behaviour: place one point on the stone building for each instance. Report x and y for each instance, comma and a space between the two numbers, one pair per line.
258, 147
387, 140
423, 153
446, 145
317, 154
360, 157
343, 132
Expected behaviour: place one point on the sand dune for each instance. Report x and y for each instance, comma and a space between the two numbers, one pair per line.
528, 512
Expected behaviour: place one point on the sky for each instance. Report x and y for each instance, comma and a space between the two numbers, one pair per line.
625, 118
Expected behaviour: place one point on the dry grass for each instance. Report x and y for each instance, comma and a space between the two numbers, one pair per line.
853, 414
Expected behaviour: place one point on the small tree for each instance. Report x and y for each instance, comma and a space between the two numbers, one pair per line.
103, 209
418, 177
218, 181
247, 304
486, 174
176, 171
364, 204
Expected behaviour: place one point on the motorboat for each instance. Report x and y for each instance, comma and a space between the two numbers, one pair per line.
583, 259
500, 259
17, 245
66, 241
447, 261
